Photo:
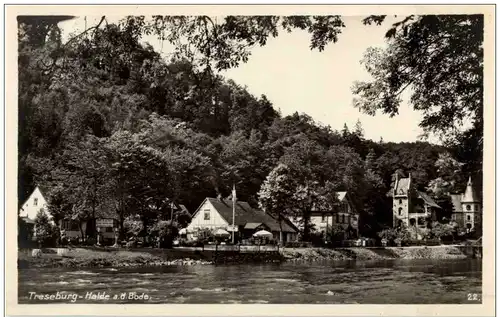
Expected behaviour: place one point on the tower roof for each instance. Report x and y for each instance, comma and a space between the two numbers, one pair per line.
470, 195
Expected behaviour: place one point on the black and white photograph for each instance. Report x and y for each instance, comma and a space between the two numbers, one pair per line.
239, 158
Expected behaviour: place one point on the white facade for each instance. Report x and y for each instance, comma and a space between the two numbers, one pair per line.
469, 213
344, 218
33, 205
206, 217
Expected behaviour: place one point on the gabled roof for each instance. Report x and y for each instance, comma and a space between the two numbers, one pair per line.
244, 214
402, 184
470, 195
341, 195
427, 199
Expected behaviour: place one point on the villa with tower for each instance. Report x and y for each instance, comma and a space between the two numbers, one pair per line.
467, 211
411, 207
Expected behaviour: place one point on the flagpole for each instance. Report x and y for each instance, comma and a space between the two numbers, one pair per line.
234, 206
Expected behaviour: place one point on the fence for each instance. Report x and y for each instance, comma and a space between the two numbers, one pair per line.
235, 248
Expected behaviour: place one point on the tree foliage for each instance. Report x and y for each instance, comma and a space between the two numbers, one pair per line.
109, 125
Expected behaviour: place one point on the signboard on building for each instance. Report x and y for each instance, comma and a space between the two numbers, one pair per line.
232, 228
104, 222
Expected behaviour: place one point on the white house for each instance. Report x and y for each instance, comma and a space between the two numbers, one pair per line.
215, 213
345, 216
35, 202
467, 210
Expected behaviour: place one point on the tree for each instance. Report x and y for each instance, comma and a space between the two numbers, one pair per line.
441, 58
45, 232
276, 192
358, 129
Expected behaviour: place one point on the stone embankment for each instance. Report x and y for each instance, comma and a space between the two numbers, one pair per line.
80, 257
388, 253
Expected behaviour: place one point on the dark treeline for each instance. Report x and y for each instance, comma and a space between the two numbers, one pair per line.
106, 123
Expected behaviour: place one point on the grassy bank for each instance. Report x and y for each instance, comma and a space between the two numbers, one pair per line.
321, 254
80, 257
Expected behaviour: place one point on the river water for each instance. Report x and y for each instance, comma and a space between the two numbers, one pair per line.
351, 282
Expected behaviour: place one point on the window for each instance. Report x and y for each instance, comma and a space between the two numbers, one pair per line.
468, 217
35, 201
400, 211
467, 207
207, 215
343, 218
337, 216
323, 218
400, 201
109, 229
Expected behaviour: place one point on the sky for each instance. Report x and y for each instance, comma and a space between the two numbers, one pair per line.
295, 78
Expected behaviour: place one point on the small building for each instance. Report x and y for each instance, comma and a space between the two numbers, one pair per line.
106, 224
215, 213
345, 216
411, 207
35, 203
467, 211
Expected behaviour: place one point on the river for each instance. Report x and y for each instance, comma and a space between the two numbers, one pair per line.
378, 282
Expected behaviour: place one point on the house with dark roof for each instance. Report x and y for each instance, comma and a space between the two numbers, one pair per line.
215, 213
344, 215
410, 206
467, 211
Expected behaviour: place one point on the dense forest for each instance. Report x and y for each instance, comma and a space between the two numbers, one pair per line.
106, 123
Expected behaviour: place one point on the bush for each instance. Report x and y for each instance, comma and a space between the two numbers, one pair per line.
46, 233
298, 244
133, 228
395, 236
317, 239
205, 235
440, 231
25, 234
165, 232
335, 235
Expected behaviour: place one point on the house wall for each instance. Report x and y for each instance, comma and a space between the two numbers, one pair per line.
402, 202
344, 218
199, 222
33, 205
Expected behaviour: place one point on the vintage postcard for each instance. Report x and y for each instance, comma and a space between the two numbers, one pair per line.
278, 160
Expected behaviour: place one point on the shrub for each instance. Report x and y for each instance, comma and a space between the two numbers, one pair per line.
441, 231
25, 233
133, 228
164, 232
298, 244
205, 235
46, 233
335, 235
317, 239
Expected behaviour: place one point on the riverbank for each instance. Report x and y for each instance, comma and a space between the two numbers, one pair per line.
80, 257
389, 253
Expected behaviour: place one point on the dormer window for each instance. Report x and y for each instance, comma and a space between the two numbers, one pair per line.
35, 201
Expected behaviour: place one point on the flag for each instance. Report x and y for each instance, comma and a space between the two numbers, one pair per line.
234, 193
